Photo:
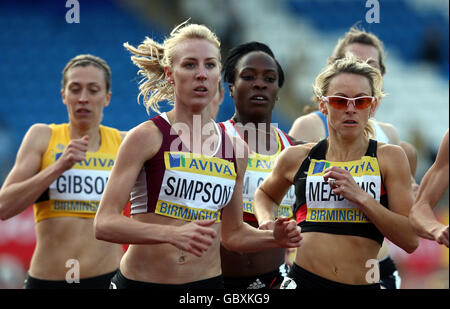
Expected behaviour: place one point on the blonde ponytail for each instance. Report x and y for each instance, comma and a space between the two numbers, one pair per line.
151, 58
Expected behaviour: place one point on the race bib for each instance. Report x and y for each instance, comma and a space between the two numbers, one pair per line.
194, 186
325, 206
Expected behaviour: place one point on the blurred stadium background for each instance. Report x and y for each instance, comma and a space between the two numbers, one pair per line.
37, 42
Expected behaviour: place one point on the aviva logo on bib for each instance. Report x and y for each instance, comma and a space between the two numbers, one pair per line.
366, 166
260, 164
199, 164
93, 161
319, 167
177, 160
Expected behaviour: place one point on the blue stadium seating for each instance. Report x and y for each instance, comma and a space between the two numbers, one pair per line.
37, 43
397, 20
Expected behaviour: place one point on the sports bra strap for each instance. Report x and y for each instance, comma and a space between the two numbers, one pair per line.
372, 149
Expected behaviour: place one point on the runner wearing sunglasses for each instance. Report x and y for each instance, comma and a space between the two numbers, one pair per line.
351, 191
343, 102
313, 127
366, 46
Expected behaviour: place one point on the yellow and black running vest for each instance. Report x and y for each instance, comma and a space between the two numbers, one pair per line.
317, 209
77, 192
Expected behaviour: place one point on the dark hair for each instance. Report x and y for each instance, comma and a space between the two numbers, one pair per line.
239, 51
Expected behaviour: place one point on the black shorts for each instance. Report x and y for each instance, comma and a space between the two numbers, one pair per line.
119, 281
389, 277
98, 282
263, 281
299, 278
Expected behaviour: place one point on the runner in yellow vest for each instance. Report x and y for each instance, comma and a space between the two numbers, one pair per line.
63, 170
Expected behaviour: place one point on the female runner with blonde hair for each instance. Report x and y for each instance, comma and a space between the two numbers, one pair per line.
351, 191
184, 175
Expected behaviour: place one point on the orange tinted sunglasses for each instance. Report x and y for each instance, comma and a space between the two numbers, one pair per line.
342, 102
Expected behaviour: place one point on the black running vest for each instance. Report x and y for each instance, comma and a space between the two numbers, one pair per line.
317, 209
